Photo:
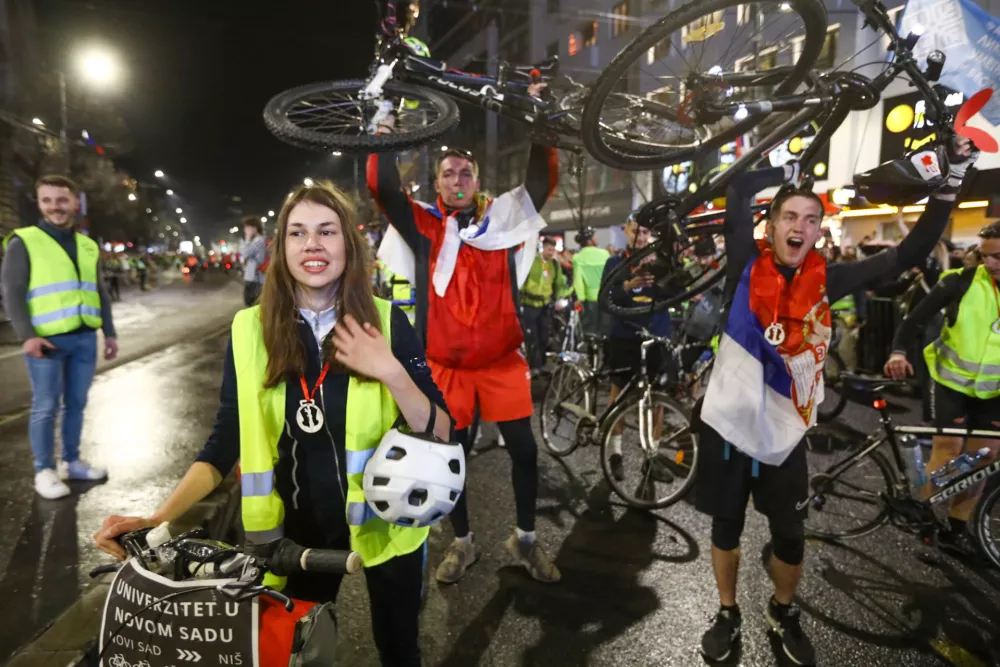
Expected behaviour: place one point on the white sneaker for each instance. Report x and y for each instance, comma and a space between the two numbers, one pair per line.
49, 486
82, 470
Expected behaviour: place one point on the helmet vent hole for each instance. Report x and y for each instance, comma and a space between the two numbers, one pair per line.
381, 505
395, 454
417, 497
453, 496
380, 481
437, 516
404, 521
455, 466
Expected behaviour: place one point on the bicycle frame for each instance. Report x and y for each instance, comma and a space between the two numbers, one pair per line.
841, 90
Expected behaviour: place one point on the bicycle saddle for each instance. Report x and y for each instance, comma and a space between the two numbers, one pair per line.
865, 382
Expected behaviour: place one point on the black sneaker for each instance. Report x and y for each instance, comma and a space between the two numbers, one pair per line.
784, 619
617, 468
959, 543
720, 639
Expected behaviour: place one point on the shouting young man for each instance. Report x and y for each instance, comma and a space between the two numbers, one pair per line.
467, 257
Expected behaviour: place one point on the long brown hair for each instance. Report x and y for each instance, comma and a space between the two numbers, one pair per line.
286, 354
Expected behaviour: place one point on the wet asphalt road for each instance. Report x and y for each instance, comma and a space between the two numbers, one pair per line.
637, 588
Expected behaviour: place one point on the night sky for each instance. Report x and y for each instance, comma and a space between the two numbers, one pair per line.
198, 74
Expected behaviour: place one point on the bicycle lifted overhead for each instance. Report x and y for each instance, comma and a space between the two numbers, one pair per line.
421, 92
723, 101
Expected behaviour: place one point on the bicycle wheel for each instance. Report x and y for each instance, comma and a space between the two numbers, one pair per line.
627, 121
330, 116
851, 504
658, 478
697, 57
834, 399
678, 279
568, 392
986, 523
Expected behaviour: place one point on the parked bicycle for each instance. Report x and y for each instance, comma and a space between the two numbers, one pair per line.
852, 495
421, 92
659, 450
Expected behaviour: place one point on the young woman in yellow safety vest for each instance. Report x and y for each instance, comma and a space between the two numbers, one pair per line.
313, 378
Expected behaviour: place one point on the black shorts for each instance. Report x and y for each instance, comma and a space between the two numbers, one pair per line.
627, 353
953, 409
724, 485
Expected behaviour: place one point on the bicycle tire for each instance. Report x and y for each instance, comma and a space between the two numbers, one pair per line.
623, 271
605, 435
888, 477
814, 19
988, 544
828, 415
277, 121
550, 395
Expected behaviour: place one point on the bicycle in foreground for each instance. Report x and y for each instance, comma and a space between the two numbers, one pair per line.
855, 494
659, 450
191, 598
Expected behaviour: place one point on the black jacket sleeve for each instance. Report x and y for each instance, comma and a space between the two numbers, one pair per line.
15, 273
407, 349
947, 291
543, 174
738, 223
387, 190
843, 279
222, 449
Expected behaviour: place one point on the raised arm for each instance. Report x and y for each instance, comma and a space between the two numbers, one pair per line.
543, 174
738, 222
392, 200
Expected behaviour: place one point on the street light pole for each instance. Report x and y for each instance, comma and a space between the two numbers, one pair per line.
64, 114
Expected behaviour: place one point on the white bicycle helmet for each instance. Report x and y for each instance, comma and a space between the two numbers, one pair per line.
414, 479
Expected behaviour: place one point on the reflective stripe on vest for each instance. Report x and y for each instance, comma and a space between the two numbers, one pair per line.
371, 412
62, 296
966, 357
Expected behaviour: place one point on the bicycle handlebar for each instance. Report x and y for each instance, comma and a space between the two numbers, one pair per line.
289, 558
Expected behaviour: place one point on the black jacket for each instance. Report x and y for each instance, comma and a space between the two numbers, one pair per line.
311, 472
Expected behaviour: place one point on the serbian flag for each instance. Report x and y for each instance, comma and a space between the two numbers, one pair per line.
761, 398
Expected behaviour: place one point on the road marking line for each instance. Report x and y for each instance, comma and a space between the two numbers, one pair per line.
953, 653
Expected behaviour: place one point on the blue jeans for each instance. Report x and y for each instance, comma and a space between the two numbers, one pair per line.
65, 374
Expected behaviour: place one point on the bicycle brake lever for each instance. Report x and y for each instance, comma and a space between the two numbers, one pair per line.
279, 597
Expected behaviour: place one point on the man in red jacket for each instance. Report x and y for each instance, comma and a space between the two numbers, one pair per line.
467, 257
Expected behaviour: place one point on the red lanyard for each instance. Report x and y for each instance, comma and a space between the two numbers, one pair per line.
305, 388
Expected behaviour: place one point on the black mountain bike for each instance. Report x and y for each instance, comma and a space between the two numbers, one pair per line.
659, 450
854, 494
421, 93
719, 96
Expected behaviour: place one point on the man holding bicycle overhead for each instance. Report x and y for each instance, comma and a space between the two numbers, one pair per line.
767, 379
965, 364
467, 256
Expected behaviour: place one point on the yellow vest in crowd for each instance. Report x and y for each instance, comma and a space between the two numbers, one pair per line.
966, 357
371, 412
60, 299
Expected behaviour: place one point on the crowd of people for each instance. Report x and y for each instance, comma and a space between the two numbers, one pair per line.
318, 369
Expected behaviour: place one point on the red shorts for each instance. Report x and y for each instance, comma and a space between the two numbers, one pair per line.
502, 390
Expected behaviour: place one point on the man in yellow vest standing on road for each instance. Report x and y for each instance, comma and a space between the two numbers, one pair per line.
56, 302
588, 266
964, 363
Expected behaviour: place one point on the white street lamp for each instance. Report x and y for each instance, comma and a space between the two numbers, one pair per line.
158, 173
184, 221
270, 214
263, 218
132, 197
337, 153
38, 122
98, 64
179, 210
308, 182
170, 192
149, 210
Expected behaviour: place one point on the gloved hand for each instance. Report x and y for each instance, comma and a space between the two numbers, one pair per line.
961, 156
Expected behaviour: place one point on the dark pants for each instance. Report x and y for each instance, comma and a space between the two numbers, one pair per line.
115, 288
592, 320
394, 590
251, 292
537, 324
520, 444
142, 280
